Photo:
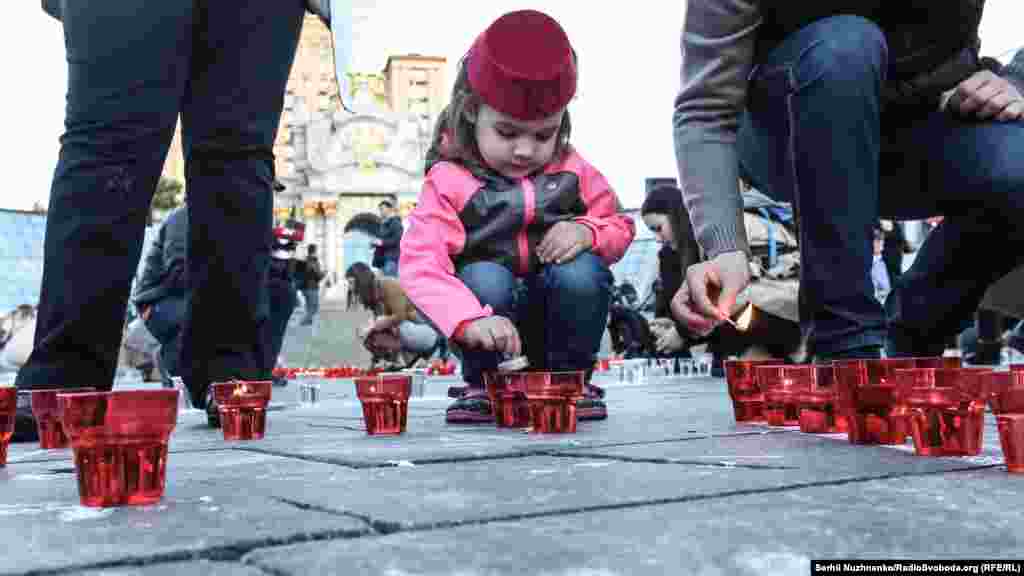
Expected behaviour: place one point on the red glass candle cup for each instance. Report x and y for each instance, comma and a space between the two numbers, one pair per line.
1011, 438
385, 399
46, 411
1006, 392
946, 409
552, 398
867, 396
783, 387
507, 392
242, 405
818, 409
120, 443
744, 391
8, 407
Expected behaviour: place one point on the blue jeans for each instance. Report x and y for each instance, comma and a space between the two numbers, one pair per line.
312, 298
816, 132
389, 268
282, 305
561, 312
164, 323
133, 66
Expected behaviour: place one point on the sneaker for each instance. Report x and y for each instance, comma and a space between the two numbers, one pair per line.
473, 407
25, 429
591, 406
212, 414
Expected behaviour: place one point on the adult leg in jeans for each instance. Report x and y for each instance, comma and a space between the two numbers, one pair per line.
810, 135
282, 305
970, 172
128, 65
312, 298
241, 58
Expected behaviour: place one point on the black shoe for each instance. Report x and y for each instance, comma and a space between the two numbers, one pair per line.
25, 429
986, 353
904, 342
473, 407
212, 414
592, 406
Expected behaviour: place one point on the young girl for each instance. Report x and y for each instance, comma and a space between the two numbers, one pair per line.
508, 249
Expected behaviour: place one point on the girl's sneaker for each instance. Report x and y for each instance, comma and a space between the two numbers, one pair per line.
591, 406
472, 407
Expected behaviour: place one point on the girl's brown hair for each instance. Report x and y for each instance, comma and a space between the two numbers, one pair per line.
455, 134
362, 287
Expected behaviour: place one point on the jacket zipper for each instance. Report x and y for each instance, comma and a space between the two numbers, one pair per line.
522, 239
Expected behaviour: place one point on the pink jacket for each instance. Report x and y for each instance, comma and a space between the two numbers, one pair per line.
461, 219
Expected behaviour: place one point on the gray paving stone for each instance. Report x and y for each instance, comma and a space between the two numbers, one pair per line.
955, 515
410, 496
209, 502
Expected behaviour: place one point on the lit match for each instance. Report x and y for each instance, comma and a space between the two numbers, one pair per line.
743, 323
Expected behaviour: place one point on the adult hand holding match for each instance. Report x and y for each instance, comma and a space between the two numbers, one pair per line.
708, 294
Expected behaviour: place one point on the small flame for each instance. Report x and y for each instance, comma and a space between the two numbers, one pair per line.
240, 390
743, 322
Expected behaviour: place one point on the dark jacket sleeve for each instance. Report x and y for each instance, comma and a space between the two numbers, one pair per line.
391, 233
52, 7
163, 273
148, 289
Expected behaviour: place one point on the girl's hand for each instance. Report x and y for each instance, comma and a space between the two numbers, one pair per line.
563, 242
709, 291
495, 333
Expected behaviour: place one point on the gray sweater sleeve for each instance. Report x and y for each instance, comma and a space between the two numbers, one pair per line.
1014, 71
718, 51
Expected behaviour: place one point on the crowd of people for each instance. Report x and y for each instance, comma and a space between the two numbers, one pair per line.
508, 250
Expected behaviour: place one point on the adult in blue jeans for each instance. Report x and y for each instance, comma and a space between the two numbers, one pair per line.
133, 67
852, 111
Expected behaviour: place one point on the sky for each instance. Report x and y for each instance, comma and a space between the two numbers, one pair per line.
629, 73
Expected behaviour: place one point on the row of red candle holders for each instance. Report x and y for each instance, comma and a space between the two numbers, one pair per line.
436, 367
935, 401
119, 439
329, 372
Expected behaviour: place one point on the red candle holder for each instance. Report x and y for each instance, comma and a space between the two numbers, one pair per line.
783, 387
819, 412
867, 395
942, 424
1006, 392
507, 392
746, 395
46, 411
552, 398
1011, 438
120, 443
8, 408
385, 399
242, 405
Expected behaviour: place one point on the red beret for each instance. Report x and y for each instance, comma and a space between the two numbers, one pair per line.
523, 66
